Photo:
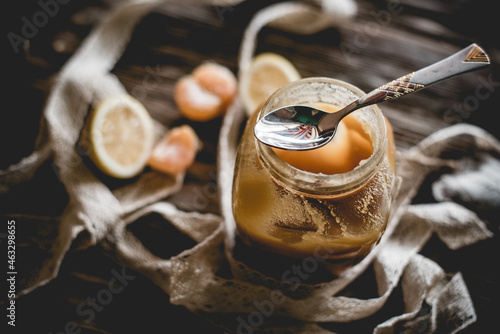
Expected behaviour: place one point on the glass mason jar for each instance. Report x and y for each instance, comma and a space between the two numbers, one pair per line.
337, 218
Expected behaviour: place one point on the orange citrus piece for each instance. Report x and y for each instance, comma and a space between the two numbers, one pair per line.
205, 94
176, 151
218, 80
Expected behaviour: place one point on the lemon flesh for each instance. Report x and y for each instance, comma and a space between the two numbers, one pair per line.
266, 73
121, 136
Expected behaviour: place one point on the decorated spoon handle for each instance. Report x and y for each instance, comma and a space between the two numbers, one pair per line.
469, 59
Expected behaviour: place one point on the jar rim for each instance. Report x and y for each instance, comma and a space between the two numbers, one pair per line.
325, 184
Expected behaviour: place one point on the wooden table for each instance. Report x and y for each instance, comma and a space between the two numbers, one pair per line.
377, 46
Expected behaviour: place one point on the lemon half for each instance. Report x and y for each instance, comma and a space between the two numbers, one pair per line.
121, 136
267, 72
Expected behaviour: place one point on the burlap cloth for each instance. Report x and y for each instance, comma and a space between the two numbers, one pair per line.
99, 216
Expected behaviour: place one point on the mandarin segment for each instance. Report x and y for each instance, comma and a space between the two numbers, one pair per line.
194, 102
218, 80
206, 93
176, 151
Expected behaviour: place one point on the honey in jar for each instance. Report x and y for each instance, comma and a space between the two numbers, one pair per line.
333, 200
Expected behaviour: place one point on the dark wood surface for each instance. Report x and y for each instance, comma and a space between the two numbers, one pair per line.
369, 51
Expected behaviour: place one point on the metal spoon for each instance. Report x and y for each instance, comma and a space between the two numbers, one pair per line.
298, 128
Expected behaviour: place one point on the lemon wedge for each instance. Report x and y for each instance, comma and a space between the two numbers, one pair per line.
121, 136
267, 72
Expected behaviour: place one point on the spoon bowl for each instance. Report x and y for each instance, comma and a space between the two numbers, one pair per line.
298, 124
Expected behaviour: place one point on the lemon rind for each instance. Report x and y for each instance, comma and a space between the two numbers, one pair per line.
100, 156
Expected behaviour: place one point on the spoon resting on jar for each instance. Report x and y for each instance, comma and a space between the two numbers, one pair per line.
300, 128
